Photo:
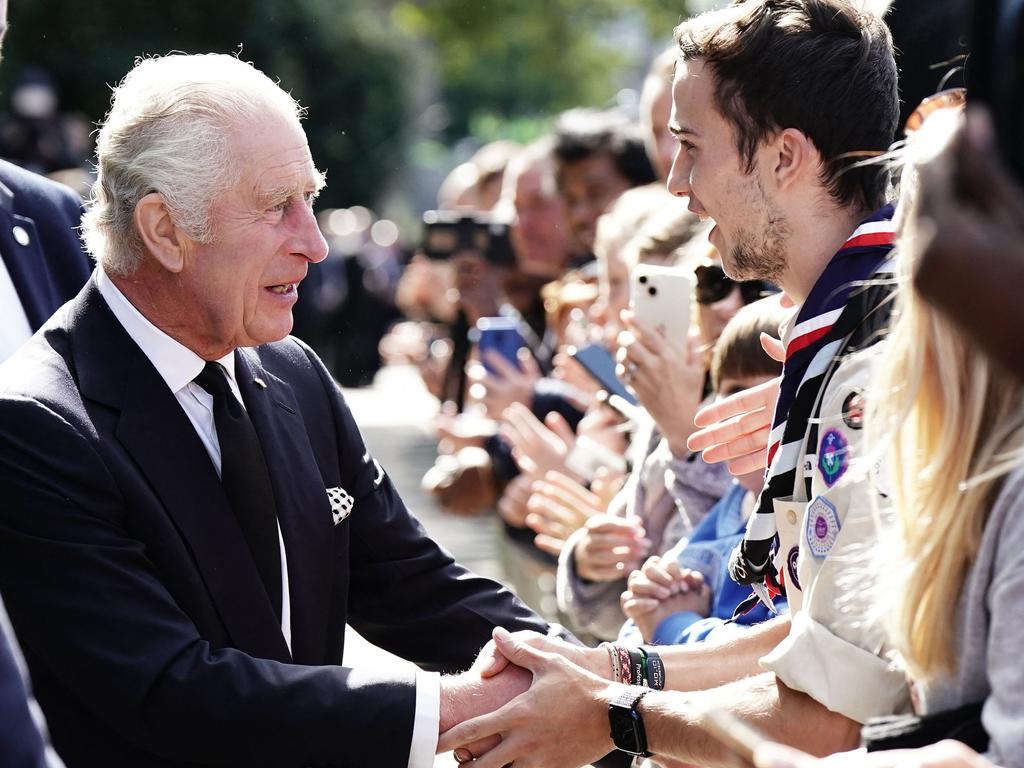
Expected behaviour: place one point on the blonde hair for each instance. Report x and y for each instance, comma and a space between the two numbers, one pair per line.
951, 424
169, 130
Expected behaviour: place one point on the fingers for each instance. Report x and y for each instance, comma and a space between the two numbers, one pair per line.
744, 465
472, 731
634, 606
518, 652
609, 524
553, 545
501, 366
557, 424
570, 489
773, 347
490, 662
763, 396
745, 444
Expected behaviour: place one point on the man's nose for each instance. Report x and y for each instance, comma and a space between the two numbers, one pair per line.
679, 174
310, 242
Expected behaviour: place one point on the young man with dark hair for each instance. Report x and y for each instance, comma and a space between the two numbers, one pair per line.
774, 104
599, 155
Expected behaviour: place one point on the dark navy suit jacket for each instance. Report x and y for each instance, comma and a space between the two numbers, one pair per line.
140, 610
48, 265
21, 744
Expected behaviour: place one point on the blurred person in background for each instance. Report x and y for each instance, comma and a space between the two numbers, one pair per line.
34, 135
599, 155
656, 110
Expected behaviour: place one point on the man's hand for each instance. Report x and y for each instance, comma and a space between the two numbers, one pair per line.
471, 694
611, 548
561, 721
660, 589
736, 429
537, 447
559, 506
594, 660
667, 379
506, 385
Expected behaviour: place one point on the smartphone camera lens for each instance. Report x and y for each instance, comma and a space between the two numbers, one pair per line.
652, 291
642, 279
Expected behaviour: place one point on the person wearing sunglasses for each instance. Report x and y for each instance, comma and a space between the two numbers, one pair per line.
719, 297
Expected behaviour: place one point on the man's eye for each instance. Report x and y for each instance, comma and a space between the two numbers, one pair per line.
687, 145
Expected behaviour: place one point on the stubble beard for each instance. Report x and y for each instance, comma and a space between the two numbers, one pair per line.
762, 256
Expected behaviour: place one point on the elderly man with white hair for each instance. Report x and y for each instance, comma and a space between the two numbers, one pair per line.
189, 515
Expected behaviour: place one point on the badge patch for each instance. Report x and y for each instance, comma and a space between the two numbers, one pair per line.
833, 456
341, 503
822, 527
853, 409
792, 560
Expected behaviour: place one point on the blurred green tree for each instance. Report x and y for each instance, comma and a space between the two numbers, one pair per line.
342, 60
505, 59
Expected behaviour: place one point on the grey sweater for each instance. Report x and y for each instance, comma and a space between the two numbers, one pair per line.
988, 633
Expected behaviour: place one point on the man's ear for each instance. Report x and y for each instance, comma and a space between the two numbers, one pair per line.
794, 155
160, 235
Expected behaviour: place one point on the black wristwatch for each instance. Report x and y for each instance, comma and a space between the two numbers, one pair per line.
628, 732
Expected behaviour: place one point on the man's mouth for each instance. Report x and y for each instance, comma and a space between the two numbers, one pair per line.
284, 289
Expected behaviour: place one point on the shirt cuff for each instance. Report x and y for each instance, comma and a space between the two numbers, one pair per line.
837, 674
426, 720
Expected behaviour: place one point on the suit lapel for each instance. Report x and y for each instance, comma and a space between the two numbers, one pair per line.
303, 509
23, 257
158, 435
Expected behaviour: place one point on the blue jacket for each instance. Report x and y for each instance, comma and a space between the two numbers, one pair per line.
707, 551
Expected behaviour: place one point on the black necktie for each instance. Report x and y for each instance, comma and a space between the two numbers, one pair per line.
245, 478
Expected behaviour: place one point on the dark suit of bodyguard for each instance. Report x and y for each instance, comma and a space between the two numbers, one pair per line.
127, 572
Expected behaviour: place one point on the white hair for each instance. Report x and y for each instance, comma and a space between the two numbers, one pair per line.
169, 130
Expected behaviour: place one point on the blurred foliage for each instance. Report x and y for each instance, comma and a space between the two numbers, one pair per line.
501, 59
342, 60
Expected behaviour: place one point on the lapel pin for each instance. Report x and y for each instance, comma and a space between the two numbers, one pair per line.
21, 235
259, 382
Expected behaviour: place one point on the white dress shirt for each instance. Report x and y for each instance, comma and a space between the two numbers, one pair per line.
178, 366
14, 327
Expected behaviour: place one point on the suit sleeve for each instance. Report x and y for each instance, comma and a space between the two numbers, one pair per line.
99, 627
407, 594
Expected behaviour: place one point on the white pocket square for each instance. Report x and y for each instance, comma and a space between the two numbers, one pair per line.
341, 503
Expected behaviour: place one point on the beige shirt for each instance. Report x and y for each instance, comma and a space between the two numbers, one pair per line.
834, 652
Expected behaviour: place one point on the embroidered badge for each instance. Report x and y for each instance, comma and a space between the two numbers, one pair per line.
341, 503
853, 409
792, 560
822, 527
833, 456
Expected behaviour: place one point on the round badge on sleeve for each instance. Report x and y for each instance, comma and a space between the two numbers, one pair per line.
21, 235
853, 409
823, 527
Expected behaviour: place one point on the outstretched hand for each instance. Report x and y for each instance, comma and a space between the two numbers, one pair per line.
736, 429
560, 721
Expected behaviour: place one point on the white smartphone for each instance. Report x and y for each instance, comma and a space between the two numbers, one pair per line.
660, 297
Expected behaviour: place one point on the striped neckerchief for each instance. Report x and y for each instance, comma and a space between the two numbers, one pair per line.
822, 328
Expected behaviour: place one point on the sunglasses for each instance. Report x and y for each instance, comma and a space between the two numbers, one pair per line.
953, 98
713, 285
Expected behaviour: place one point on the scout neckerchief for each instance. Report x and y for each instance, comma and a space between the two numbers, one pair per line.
836, 306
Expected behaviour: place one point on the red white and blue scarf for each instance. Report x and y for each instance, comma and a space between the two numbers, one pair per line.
852, 288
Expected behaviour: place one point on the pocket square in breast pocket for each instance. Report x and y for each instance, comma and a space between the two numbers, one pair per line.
341, 503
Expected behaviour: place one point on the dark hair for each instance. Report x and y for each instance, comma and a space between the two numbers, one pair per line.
582, 133
738, 353
823, 67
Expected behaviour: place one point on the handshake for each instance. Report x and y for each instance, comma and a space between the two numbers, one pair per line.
529, 696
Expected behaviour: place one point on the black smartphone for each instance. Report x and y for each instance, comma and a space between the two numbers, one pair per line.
448, 232
599, 363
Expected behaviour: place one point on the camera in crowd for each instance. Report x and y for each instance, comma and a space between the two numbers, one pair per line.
446, 233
